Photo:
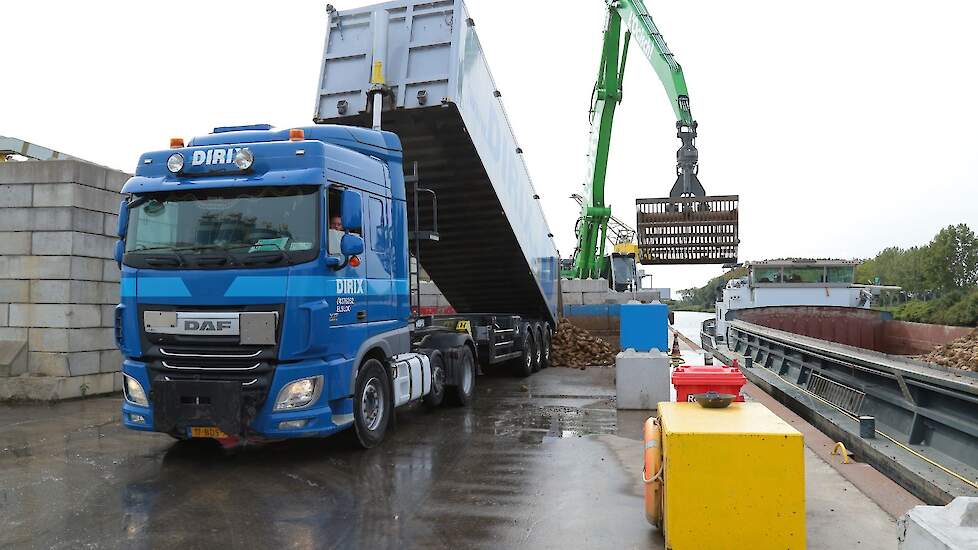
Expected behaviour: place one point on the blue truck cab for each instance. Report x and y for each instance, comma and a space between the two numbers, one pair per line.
264, 289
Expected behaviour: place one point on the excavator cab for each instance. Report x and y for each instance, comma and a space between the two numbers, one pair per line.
688, 226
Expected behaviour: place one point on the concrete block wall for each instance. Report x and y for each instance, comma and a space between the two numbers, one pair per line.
595, 291
432, 300
58, 281
591, 305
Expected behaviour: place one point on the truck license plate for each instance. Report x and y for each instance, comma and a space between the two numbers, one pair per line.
207, 431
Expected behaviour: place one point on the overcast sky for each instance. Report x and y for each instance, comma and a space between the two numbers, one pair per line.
844, 126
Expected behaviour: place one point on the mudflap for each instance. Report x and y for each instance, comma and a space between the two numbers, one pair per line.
178, 404
451, 344
452, 357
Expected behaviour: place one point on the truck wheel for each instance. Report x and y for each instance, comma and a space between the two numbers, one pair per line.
437, 394
461, 394
371, 404
538, 347
527, 361
545, 345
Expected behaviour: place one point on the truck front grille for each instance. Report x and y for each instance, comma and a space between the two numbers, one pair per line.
216, 358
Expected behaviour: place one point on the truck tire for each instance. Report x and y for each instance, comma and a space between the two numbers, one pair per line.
437, 395
526, 364
538, 340
545, 345
371, 404
461, 395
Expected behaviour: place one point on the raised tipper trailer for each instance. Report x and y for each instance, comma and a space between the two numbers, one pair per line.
265, 279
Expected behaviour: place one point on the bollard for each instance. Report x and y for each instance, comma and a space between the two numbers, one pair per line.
707, 359
867, 427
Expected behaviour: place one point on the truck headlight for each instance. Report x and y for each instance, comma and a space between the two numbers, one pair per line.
243, 159
300, 393
174, 163
134, 391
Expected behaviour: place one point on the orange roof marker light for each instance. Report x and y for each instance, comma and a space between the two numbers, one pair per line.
176, 143
297, 134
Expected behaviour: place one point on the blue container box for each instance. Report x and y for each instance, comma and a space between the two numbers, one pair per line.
644, 327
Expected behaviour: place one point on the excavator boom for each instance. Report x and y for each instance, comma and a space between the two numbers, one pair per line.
688, 226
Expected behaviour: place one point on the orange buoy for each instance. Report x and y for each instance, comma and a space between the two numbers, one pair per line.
652, 472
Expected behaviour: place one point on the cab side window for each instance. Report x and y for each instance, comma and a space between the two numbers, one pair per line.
334, 221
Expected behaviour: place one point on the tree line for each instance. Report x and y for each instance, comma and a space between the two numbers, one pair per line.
938, 280
948, 263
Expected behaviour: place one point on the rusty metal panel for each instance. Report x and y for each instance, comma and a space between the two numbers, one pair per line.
850, 326
862, 328
688, 230
906, 338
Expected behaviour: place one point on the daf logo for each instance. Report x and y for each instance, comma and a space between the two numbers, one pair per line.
206, 325
349, 286
214, 156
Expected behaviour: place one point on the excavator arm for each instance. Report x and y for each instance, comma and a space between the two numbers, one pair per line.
687, 226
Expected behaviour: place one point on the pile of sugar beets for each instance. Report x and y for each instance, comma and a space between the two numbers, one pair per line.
577, 348
960, 354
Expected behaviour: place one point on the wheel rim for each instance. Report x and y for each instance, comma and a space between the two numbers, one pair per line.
529, 354
467, 377
539, 355
437, 381
546, 349
372, 404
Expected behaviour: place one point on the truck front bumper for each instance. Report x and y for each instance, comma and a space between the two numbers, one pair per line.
217, 404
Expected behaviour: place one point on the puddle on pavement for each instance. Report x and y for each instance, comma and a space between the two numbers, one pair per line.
531, 423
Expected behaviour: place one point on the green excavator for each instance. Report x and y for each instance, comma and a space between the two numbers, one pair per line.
687, 227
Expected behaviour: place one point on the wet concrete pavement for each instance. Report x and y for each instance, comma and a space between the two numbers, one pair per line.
533, 463
544, 462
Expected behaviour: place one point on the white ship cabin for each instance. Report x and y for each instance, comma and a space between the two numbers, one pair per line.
792, 283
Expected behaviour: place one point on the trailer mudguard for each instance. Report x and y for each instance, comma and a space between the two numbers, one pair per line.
451, 344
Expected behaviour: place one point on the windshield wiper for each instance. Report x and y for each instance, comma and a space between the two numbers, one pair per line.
164, 260
177, 258
225, 257
266, 257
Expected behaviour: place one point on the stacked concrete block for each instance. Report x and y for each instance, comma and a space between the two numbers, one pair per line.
950, 527
571, 291
58, 281
596, 291
642, 379
647, 295
585, 291
432, 300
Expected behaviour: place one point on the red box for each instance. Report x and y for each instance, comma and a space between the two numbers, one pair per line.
692, 379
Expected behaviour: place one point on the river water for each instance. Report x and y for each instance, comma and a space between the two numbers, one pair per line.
688, 323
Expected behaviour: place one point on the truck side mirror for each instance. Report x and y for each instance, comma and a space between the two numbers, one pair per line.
120, 249
352, 211
351, 245
123, 219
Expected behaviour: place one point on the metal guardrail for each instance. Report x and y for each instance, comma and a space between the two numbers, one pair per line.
930, 409
840, 395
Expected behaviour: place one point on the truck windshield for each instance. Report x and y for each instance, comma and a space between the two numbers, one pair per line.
224, 227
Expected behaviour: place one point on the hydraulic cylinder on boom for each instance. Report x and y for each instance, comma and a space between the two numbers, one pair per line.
687, 227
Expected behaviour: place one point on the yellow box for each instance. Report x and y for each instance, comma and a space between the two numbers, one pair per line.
733, 478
